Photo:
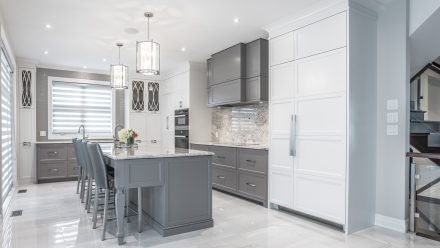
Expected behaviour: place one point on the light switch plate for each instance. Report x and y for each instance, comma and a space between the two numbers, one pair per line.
43, 133
392, 104
392, 130
392, 117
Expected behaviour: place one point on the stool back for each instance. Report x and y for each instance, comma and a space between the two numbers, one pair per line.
98, 164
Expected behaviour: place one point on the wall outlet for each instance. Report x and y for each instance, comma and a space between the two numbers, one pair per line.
42, 133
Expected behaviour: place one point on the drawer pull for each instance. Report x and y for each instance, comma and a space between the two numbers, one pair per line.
220, 157
251, 184
54, 170
220, 177
52, 153
251, 161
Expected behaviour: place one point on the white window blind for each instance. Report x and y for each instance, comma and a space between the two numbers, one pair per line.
75, 104
7, 127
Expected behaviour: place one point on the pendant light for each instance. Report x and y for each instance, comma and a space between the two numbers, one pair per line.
119, 73
148, 53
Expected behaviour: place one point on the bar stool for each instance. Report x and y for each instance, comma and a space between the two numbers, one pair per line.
90, 174
102, 182
83, 168
74, 142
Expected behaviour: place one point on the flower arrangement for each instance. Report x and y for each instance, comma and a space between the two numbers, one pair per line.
128, 135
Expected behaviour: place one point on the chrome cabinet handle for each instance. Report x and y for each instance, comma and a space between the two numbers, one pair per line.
292, 141
50, 153
251, 161
168, 126
26, 143
54, 170
251, 184
220, 157
220, 177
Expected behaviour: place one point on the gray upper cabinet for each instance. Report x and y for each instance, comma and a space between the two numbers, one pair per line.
239, 74
257, 70
229, 64
257, 58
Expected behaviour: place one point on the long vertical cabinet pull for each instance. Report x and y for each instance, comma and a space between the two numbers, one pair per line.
168, 125
292, 148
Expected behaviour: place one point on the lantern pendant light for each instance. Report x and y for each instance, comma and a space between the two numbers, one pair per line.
148, 53
119, 73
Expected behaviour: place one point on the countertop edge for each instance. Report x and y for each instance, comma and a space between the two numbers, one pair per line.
255, 147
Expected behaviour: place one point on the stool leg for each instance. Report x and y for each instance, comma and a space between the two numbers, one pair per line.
104, 221
95, 207
79, 179
83, 186
89, 194
139, 210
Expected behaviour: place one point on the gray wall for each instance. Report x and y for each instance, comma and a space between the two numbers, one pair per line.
392, 83
42, 96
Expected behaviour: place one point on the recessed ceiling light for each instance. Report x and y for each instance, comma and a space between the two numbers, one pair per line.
104, 60
236, 20
46, 52
183, 49
48, 26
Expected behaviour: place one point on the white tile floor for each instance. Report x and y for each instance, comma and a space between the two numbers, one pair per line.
54, 217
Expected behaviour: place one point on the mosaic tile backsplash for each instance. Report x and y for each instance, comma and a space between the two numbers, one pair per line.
241, 124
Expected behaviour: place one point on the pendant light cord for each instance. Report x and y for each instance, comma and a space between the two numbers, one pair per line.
148, 32
119, 54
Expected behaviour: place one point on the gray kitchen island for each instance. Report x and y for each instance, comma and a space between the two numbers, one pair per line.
174, 186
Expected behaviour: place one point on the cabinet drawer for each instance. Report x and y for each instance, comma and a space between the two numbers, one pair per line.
253, 160
224, 156
52, 170
251, 184
52, 152
224, 177
72, 168
71, 151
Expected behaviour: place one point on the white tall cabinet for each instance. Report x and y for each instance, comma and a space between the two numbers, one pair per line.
319, 163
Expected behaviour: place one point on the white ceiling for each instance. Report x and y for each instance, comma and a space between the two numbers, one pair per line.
85, 31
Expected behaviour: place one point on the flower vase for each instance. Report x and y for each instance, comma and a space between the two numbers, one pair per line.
130, 142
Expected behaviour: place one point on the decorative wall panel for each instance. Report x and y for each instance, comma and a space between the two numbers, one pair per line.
137, 100
26, 94
153, 96
241, 124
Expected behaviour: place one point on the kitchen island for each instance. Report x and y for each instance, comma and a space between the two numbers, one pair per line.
175, 186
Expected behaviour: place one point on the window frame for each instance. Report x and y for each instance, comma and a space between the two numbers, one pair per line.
58, 136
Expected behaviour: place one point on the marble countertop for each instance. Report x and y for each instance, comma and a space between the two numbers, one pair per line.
148, 151
247, 146
70, 141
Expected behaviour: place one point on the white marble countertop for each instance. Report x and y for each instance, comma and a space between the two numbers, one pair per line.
148, 151
70, 141
247, 146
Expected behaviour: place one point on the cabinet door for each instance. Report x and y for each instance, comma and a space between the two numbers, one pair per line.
281, 49
282, 81
320, 161
153, 128
228, 64
209, 66
322, 36
228, 93
138, 122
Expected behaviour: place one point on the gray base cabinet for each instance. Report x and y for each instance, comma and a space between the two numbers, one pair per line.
240, 171
56, 162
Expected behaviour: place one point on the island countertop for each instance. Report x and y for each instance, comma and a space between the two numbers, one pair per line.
148, 151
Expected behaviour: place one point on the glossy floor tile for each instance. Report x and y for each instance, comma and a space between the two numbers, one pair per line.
54, 217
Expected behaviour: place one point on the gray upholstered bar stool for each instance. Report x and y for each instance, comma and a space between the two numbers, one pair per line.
80, 178
90, 174
83, 169
102, 183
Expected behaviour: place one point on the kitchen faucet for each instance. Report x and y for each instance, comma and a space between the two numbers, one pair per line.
83, 131
116, 136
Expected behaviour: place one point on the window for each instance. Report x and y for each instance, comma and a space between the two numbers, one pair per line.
75, 102
7, 128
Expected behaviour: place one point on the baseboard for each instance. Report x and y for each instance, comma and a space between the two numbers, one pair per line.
394, 224
26, 181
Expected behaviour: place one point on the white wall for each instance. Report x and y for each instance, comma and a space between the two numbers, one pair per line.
420, 10
392, 83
